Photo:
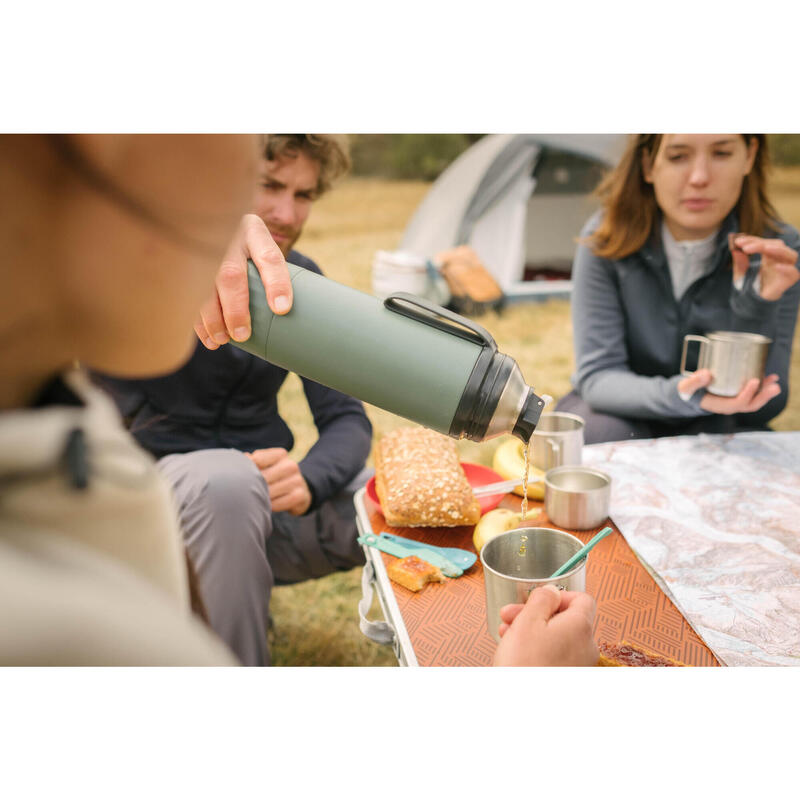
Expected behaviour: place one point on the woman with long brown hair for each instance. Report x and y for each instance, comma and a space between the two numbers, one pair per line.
686, 242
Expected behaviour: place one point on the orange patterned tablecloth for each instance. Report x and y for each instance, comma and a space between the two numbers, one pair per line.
446, 622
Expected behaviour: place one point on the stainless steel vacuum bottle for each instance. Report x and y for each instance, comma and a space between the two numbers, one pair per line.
403, 354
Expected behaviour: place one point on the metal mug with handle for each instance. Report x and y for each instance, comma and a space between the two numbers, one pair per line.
518, 561
732, 357
558, 440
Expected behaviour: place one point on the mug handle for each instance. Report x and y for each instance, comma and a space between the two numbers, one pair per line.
690, 337
553, 453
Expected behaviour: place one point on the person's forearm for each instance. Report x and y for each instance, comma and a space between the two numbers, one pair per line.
337, 457
624, 394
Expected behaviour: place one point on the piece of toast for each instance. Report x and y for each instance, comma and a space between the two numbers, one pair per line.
625, 654
420, 482
414, 573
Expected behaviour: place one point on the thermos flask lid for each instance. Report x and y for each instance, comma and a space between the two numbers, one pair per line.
529, 417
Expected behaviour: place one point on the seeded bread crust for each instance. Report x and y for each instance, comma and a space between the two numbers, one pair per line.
420, 482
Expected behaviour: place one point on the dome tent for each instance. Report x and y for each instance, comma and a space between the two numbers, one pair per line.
519, 201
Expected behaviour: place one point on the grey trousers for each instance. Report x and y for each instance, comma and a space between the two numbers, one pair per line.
240, 549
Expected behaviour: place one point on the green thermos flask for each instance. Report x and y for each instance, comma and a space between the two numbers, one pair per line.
402, 354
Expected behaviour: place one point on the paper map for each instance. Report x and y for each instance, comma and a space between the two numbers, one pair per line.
716, 519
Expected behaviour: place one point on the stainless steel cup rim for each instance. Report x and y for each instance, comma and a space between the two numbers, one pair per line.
554, 473
578, 423
738, 336
548, 531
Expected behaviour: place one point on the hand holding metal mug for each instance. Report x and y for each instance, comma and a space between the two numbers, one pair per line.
551, 629
732, 359
752, 397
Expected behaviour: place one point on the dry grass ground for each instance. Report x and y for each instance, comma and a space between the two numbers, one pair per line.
316, 622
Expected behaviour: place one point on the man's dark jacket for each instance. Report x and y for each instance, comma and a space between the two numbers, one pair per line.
228, 398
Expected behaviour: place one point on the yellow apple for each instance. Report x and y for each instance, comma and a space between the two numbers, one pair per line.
493, 523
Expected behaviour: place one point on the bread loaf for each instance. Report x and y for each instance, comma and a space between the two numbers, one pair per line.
420, 482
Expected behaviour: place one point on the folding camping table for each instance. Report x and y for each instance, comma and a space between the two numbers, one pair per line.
445, 624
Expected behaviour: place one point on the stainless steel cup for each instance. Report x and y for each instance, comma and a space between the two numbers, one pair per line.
557, 440
577, 497
517, 561
732, 357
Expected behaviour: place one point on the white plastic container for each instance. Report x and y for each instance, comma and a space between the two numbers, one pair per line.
404, 272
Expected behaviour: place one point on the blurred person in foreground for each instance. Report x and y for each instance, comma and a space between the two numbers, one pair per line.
92, 567
251, 515
107, 259
654, 264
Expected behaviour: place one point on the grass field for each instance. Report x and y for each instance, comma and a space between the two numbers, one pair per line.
316, 622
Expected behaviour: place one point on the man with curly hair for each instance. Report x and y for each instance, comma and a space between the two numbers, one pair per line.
251, 515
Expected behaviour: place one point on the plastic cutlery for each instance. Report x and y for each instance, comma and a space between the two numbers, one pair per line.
463, 559
401, 551
582, 553
501, 487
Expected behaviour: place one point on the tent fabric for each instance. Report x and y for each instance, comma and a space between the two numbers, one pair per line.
435, 225
487, 199
516, 158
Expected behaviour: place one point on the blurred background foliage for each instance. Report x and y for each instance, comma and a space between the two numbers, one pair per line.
785, 149
423, 156
407, 156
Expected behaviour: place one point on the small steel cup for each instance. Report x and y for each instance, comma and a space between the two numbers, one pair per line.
577, 498
517, 562
732, 357
557, 440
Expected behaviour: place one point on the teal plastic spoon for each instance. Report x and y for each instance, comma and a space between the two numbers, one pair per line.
401, 551
463, 559
582, 553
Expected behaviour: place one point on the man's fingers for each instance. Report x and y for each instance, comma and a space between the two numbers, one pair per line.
542, 603
283, 487
579, 601
234, 297
271, 265
213, 322
286, 501
509, 613
202, 335
267, 456
283, 470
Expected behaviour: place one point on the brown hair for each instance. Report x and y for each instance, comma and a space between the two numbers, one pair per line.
630, 207
330, 151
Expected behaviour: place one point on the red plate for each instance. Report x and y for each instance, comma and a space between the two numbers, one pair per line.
477, 475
